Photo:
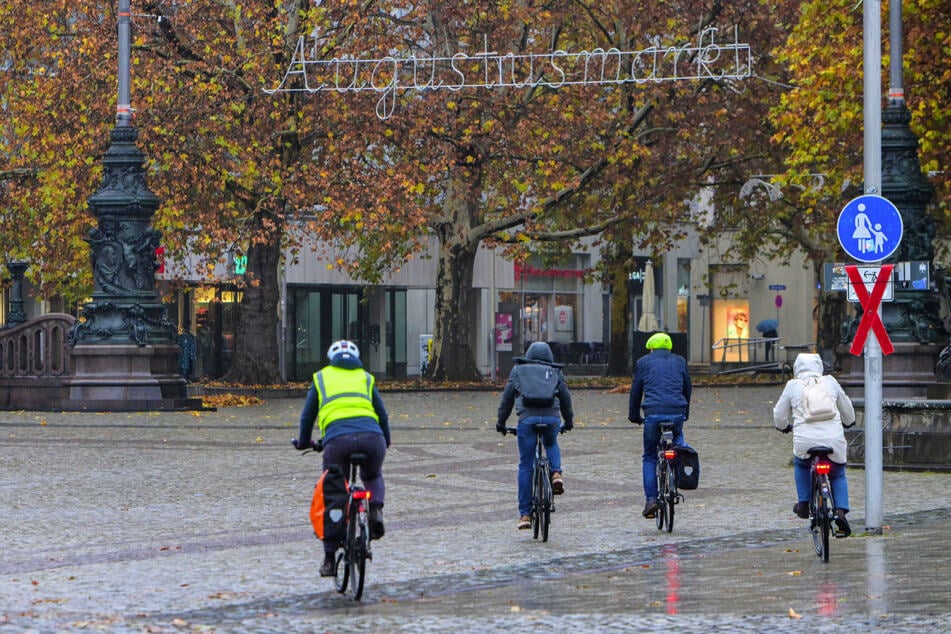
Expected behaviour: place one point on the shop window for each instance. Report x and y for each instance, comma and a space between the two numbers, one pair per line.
731, 329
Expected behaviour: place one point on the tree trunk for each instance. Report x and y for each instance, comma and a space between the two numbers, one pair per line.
617, 263
453, 354
453, 336
256, 342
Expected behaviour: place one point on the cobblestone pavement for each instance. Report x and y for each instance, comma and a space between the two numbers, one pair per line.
197, 522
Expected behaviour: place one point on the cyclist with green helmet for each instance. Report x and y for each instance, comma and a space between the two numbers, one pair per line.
661, 389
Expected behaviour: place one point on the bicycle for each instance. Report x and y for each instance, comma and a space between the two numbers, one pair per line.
543, 504
667, 494
351, 560
821, 502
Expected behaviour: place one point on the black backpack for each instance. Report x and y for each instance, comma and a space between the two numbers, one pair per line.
537, 384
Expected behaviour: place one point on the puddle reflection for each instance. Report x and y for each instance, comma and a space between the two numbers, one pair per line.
876, 584
828, 599
671, 558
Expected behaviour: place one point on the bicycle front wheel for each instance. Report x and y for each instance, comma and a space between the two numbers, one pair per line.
341, 571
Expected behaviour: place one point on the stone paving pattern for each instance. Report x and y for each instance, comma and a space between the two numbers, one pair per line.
197, 522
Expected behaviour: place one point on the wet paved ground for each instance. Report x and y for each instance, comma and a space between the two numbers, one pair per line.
180, 522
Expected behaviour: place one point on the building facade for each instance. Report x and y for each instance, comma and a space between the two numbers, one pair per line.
700, 295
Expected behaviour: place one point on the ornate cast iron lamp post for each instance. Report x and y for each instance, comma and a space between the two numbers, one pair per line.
124, 350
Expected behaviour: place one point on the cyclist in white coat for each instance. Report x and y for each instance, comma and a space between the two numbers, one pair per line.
789, 415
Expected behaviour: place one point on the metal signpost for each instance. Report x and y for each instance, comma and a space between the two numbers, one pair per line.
870, 229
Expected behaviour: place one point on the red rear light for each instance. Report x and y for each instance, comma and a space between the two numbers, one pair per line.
823, 468
669, 454
361, 495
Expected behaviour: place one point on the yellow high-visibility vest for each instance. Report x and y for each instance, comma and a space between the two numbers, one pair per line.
343, 393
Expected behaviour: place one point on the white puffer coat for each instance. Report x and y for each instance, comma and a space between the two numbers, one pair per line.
788, 410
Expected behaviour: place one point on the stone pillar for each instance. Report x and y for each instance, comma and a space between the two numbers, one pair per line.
17, 315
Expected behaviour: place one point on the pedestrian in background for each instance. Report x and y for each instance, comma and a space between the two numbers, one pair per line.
661, 388
769, 328
790, 414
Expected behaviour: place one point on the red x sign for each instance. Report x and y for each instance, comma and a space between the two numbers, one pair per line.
870, 303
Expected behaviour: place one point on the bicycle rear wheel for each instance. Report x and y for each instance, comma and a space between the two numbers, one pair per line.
661, 514
670, 499
821, 523
358, 562
546, 502
536, 503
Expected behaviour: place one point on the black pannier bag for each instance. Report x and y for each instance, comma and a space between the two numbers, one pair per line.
687, 467
328, 508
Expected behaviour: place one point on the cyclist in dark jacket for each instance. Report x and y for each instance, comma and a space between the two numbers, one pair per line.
538, 353
661, 388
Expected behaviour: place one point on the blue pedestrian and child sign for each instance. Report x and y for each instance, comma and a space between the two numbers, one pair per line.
870, 228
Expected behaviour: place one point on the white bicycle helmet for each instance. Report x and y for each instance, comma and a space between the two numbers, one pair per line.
344, 347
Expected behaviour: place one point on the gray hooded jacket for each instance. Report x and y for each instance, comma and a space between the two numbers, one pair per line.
538, 353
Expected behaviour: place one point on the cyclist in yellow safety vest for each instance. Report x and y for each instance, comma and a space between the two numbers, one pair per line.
347, 407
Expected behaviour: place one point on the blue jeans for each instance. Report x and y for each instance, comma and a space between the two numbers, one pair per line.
651, 442
840, 486
526, 455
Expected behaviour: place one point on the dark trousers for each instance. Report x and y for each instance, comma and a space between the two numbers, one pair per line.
373, 445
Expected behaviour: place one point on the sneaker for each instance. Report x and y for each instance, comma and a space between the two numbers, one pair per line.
524, 523
801, 509
327, 568
842, 528
557, 483
376, 521
650, 509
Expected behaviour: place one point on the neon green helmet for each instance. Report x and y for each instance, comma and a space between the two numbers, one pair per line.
659, 340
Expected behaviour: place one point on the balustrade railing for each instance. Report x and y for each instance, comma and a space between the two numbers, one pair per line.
36, 348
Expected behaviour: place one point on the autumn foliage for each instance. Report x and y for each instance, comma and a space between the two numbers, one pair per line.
527, 168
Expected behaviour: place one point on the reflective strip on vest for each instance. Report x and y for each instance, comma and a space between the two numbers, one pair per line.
343, 394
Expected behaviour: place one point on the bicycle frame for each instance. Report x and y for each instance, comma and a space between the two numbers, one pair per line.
542, 496
350, 563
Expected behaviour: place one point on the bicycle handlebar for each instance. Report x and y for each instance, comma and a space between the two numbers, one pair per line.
317, 446
514, 430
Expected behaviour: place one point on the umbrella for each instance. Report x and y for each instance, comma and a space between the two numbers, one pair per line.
767, 325
648, 321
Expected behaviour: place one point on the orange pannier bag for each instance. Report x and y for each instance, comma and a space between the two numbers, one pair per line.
328, 508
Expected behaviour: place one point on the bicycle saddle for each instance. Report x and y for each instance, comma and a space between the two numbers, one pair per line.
820, 451
360, 458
